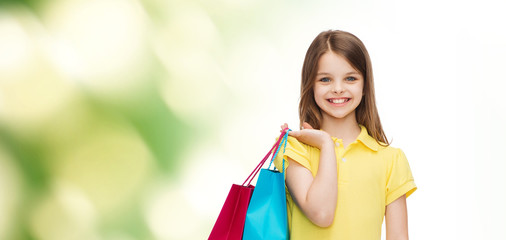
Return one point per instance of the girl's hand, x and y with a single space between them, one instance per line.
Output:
310 136
315 195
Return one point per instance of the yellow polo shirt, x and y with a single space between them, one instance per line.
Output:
370 177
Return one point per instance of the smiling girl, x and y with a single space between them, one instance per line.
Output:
342 175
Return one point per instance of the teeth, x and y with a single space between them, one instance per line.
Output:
338 100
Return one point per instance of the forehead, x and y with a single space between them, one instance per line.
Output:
333 63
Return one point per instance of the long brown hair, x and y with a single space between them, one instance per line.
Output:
351 48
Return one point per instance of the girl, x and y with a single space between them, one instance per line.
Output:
343 178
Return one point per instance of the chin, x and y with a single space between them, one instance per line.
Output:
339 116
342 115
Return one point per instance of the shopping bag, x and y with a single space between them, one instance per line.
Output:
266 217
230 222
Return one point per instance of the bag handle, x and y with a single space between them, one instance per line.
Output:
283 142
259 166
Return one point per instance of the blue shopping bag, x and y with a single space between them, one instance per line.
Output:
266 217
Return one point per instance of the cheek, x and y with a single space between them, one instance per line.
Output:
320 89
360 90
359 93
315 91
318 94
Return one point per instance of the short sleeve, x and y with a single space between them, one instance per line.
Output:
399 179
296 150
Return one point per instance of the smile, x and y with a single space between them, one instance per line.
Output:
340 100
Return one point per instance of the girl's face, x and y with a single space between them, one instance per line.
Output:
338 87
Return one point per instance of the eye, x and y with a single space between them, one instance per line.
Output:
351 79
325 79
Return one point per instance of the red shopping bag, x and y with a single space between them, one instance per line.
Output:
230 222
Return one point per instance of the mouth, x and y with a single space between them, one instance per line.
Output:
338 100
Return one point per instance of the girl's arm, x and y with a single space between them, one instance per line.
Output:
396 215
316 197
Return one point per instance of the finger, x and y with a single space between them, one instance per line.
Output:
306 125
294 134
283 127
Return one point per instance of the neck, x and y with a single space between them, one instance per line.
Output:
344 128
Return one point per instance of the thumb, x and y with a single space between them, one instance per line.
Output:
306 125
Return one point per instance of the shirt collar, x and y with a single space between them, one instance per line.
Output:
367 140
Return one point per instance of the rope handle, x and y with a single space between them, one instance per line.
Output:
259 166
283 142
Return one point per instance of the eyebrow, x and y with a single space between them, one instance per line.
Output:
326 73
322 73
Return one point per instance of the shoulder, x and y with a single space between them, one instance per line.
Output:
296 151
391 153
296 144
388 150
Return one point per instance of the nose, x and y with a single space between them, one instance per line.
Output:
338 87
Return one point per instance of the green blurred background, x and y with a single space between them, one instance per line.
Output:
111 113
130 119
